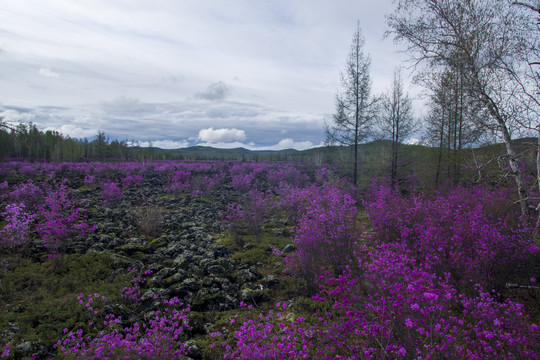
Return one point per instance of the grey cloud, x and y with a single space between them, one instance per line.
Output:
123 105
133 119
215 91
46 72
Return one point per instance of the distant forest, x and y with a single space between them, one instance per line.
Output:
26 141
433 166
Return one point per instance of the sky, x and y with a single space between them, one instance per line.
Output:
258 74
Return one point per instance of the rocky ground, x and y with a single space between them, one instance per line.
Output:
183 240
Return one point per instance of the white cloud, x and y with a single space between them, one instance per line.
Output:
221 135
289 143
48 73
413 142
281 145
15 116
75 131
226 145
163 144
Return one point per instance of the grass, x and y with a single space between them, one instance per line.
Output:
256 249
39 299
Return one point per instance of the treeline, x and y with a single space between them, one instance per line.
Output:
28 142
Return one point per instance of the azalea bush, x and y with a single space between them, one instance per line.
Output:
242 182
326 234
207 183
389 305
161 337
19 224
248 216
474 234
27 193
111 193
130 180
180 182
288 174
62 221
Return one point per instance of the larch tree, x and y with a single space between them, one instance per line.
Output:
355 107
396 120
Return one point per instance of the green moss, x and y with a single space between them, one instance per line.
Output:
156 244
87 187
41 298
251 256
259 252
130 249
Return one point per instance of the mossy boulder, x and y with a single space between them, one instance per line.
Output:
156 244
131 249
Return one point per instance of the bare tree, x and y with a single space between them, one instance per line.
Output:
482 36
355 107
396 121
454 120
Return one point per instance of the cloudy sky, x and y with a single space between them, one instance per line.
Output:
261 74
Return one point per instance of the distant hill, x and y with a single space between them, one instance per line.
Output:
210 153
417 163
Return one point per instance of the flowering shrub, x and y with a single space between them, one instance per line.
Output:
130 180
249 216
388 305
5 352
325 235
27 168
111 192
322 174
180 182
133 293
18 225
270 337
457 233
287 174
89 179
242 182
27 193
4 186
159 338
61 221
203 184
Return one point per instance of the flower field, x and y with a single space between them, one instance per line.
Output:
259 260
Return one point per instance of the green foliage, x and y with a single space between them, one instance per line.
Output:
39 299
256 249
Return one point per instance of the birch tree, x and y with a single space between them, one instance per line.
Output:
485 38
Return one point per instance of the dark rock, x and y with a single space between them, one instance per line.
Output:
215 270
270 281
254 295
155 294
220 251
289 248
23 350
278 231
247 275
